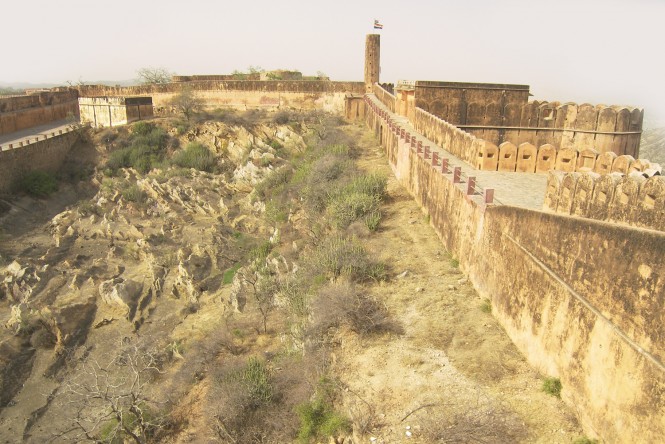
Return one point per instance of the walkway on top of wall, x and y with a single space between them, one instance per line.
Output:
525 190
32 133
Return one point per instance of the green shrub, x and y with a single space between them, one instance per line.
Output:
260 252
338 255
274 182
552 386
195 156
347 208
486 306
145 149
276 213
370 184
372 220
227 277
255 376
134 194
142 128
318 420
585 440
38 184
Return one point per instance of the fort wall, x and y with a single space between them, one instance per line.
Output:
46 154
524 157
21 112
502 113
241 94
630 199
584 300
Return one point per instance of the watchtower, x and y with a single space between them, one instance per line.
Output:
372 60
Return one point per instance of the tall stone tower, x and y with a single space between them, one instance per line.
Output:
372 60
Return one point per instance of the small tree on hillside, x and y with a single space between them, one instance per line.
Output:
187 103
154 76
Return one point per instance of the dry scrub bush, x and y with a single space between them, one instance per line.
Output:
479 420
109 401
338 255
342 304
254 401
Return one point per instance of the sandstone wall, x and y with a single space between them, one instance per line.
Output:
43 155
602 128
502 113
631 199
583 300
242 94
21 112
102 112
525 157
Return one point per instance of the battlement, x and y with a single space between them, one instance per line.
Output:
22 112
631 199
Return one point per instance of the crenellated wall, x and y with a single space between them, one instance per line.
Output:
45 154
630 199
584 300
241 94
384 97
569 125
501 113
525 157
21 112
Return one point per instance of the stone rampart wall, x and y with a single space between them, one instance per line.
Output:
508 157
21 112
579 127
384 97
583 300
242 94
292 86
505 115
631 199
46 154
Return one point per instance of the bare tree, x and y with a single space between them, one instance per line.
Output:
110 401
187 103
154 76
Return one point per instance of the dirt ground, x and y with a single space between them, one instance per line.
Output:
454 374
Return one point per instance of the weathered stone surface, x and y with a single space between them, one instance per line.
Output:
526 158
546 159
507 157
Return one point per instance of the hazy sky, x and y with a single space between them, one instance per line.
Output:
596 51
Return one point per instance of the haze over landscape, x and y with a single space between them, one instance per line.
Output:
591 51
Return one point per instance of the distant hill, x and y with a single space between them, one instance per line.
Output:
652 146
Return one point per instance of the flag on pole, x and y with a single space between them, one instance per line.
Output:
377 25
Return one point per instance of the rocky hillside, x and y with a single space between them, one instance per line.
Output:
248 279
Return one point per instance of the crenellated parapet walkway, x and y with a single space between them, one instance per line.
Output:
483 187
582 299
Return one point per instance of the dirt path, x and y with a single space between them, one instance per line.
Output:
453 375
